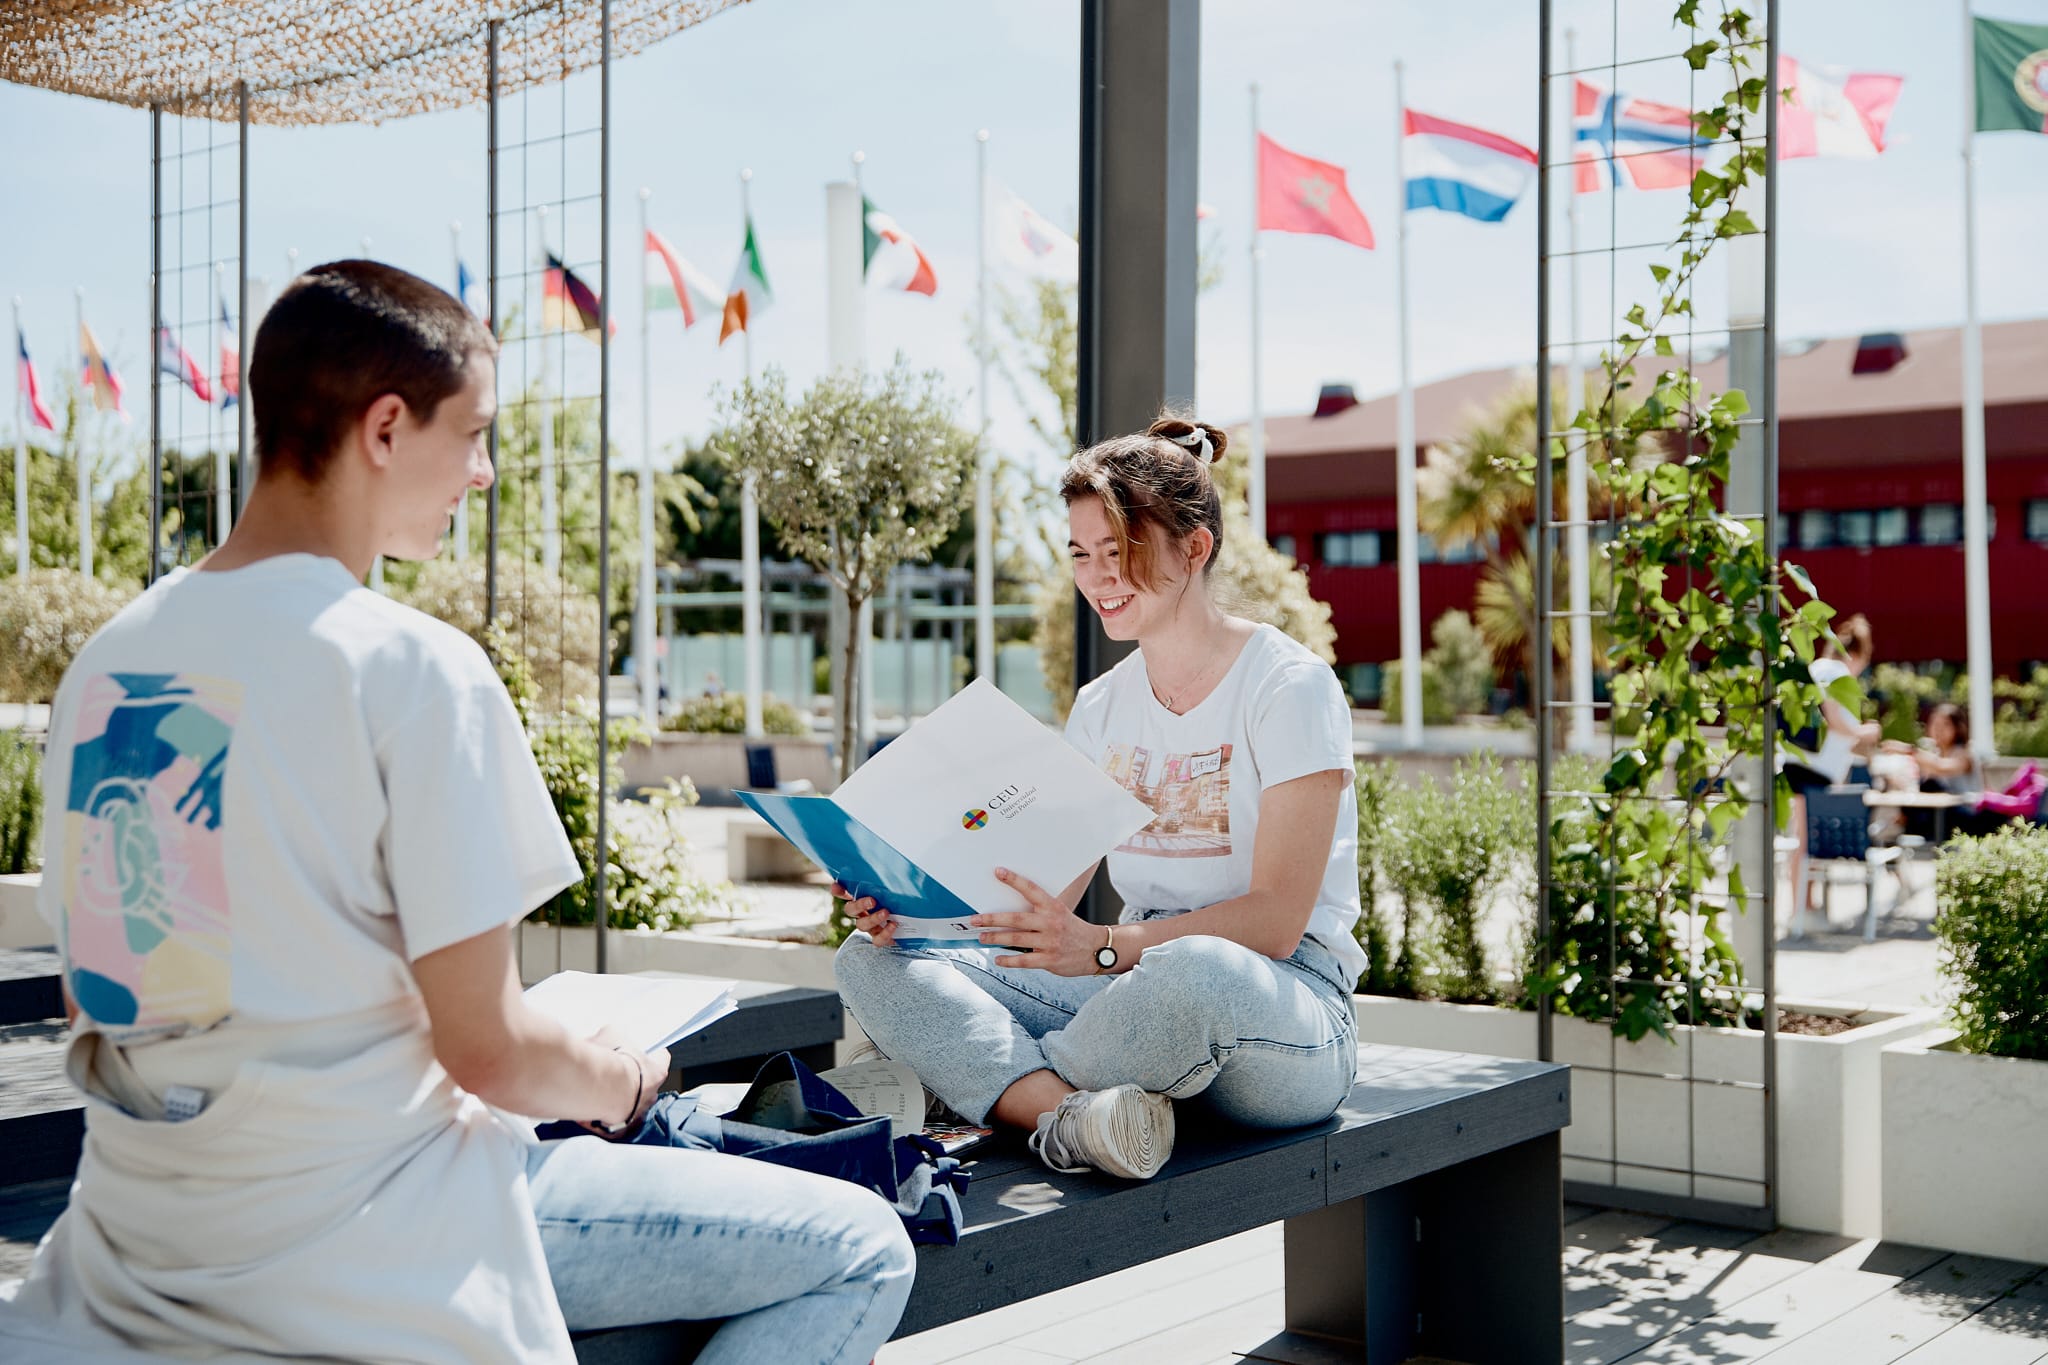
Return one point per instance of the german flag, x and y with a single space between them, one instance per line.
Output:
568 304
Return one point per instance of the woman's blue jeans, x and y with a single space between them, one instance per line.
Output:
802 1267
1263 1042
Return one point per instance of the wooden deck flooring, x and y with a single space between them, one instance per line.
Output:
1638 1289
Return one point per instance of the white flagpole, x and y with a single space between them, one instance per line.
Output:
1976 558
81 463
1409 572
223 492
750 525
1257 481
864 714
984 464
645 666
1578 544
20 450
550 514
459 533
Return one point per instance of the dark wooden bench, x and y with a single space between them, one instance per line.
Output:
1423 1219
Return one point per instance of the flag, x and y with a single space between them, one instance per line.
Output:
2012 76
25 377
1462 169
174 360
1300 194
1027 239
464 283
688 288
908 268
1831 112
99 375
567 304
748 296
1617 139
230 359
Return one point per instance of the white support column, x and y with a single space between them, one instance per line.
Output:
544 411
1257 479
21 556
750 536
984 462
645 668
223 480
458 534
1976 531
1578 540
81 461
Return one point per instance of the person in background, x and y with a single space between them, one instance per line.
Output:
1823 754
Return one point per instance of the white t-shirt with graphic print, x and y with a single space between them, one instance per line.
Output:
1278 714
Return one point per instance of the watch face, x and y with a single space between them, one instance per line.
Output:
1105 957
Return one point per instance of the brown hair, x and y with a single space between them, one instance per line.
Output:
1153 484
340 337
1956 718
1853 637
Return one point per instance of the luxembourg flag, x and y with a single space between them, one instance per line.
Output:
1461 169
1620 140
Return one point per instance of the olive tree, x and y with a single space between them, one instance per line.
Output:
859 475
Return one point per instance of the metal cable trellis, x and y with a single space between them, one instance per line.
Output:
1690 1128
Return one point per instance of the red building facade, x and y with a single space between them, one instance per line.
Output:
1869 492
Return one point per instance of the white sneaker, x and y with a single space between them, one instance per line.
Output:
1124 1132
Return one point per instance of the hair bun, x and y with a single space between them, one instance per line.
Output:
1199 439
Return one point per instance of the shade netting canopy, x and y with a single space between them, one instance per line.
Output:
315 61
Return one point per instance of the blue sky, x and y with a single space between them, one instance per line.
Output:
790 88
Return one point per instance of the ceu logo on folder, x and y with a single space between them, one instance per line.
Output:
981 766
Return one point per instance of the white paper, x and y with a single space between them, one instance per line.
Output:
882 1086
653 1011
980 784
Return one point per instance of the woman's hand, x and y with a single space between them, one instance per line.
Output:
1052 938
868 917
648 1070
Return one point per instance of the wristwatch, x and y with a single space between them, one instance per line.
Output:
1105 956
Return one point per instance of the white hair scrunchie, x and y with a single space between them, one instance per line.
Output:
1198 444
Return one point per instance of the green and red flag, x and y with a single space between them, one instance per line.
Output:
905 266
2012 76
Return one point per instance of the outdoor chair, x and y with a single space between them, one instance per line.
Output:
762 776
1838 832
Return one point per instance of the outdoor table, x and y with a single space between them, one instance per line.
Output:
1941 803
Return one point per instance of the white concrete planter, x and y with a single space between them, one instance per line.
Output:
720 761
1963 1140
544 949
20 925
1634 1122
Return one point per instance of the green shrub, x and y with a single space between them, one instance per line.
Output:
1376 784
726 714
21 803
550 625
1462 656
45 620
1991 919
1445 854
1907 697
1436 699
648 879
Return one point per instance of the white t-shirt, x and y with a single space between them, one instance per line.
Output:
268 790
1837 752
1278 714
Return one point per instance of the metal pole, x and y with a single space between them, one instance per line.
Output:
1767 834
1258 463
223 482
643 598
1545 1043
1976 556
1408 572
20 450
245 449
459 533
750 528
604 462
81 463
491 305
984 464
550 508
1578 540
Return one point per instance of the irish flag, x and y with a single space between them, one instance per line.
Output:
1832 112
905 266
685 286
1462 169
748 296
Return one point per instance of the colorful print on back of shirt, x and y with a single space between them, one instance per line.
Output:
1189 795
146 934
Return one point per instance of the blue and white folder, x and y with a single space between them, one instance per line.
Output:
976 785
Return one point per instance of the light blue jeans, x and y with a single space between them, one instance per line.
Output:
1263 1042
802 1267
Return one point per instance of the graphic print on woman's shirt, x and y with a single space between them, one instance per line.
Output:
1189 795
146 904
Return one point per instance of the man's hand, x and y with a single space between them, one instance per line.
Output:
1050 936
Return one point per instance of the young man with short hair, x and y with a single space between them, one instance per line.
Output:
292 826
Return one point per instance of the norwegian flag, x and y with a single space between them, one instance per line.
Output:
1618 140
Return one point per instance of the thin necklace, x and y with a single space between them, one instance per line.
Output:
1169 698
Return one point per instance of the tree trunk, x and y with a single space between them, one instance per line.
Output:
849 686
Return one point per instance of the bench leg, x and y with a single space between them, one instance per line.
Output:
1463 1265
